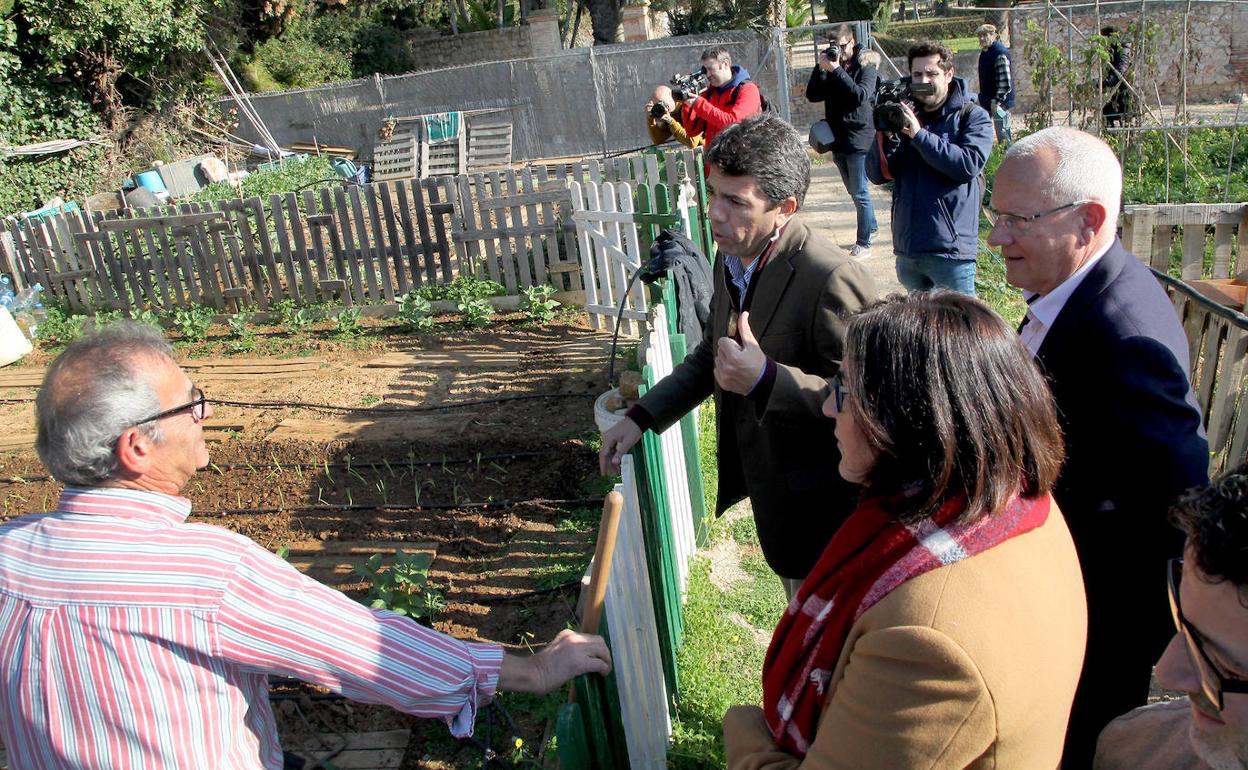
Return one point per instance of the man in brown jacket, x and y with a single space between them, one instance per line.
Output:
777 327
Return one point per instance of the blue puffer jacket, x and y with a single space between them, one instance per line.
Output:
936 188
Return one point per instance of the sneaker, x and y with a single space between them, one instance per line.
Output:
859 252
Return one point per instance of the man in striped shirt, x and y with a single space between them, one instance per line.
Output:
131 639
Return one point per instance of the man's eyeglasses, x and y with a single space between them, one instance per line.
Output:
1212 682
1019 222
838 391
197 406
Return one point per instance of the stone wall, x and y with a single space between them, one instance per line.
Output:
539 37
1217 32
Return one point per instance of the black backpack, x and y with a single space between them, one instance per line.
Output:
765 105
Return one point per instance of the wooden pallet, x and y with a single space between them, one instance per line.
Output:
332 561
363 751
372 429
589 351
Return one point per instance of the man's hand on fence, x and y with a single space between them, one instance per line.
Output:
616 442
738 365
568 655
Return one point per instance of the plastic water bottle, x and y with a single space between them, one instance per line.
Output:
6 291
27 298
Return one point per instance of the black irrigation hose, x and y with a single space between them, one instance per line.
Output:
394 409
328 507
523 595
397 464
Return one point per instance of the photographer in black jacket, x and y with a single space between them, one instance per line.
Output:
845 84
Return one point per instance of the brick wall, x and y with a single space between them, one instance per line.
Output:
540 37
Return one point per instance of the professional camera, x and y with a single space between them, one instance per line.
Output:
833 52
890 95
687 86
658 110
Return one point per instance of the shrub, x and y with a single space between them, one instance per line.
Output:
193 322
537 304
295 61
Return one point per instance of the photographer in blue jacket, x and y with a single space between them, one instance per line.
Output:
933 144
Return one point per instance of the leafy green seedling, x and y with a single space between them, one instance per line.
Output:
403 586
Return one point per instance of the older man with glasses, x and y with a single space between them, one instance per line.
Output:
1103 332
1208 656
130 638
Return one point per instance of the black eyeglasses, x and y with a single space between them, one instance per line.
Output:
838 390
1019 222
1212 682
198 407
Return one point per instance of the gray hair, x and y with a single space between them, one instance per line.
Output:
1085 167
93 392
770 150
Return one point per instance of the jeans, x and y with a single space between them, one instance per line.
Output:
924 273
853 168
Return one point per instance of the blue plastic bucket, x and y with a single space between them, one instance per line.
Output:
151 180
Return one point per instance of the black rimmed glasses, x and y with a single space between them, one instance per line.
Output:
1212 682
197 406
1019 222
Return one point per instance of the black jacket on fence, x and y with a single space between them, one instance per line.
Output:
847 93
674 255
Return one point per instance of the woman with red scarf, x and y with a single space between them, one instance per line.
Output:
944 625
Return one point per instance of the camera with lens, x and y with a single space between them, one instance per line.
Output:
688 86
890 95
658 110
833 52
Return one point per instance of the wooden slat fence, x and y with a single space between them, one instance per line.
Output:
346 245
1203 241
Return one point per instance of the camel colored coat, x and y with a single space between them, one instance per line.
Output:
973 665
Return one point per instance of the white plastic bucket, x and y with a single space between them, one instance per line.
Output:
606 418
13 344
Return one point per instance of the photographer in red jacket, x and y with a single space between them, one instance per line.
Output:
731 97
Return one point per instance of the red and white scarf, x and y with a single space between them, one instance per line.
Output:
870 555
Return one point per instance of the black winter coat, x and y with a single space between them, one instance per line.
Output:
847 94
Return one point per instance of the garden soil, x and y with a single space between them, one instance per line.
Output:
505 494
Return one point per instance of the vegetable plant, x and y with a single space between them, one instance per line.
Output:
242 336
294 318
537 304
476 312
59 328
416 312
193 322
145 316
347 325
403 586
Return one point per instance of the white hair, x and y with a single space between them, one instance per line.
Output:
1085 167
92 393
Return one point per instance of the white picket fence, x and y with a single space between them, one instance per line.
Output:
635 638
610 252
629 606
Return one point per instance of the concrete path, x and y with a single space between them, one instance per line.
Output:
829 212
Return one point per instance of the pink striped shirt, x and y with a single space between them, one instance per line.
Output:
131 639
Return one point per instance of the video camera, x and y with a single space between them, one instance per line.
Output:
833 52
890 95
687 86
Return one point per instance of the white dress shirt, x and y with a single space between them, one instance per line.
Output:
1043 309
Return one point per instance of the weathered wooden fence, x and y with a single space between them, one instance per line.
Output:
346 245
1214 242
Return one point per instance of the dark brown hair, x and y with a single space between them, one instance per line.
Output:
1215 520
950 397
930 48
